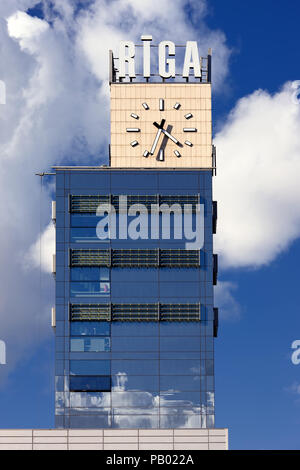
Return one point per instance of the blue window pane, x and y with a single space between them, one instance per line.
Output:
90 274
131 367
90 344
85 235
91 399
133 382
90 328
176 343
84 220
134 344
90 367
134 329
180 367
97 384
90 289
175 382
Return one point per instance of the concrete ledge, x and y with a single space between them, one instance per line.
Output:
113 439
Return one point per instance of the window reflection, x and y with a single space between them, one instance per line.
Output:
89 344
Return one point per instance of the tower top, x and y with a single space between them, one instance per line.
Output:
135 62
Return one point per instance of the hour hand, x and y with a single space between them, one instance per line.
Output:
161 125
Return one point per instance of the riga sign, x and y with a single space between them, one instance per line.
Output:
166 59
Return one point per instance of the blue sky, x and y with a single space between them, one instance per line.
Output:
256 382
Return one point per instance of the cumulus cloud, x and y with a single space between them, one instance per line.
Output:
22 26
57 112
229 308
257 186
40 253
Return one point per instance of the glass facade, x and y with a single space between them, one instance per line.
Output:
135 322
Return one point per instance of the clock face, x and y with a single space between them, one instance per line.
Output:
161 125
165 139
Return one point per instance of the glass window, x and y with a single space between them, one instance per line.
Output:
131 367
131 382
89 289
84 220
177 343
90 274
134 344
89 422
97 384
183 383
134 329
90 344
180 367
90 367
85 235
85 328
91 399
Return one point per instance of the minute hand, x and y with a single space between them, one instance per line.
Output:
155 141
170 136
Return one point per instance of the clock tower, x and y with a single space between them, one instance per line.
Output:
135 319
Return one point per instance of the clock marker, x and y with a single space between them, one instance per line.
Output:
178 154
134 116
161 104
145 106
132 129
189 129
187 142
177 106
161 156
188 116
134 143
145 154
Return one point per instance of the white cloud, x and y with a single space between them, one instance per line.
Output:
257 186
229 308
22 26
57 111
40 253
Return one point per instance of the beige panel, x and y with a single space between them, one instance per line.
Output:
190 439
159 439
85 439
15 432
194 98
190 446
120 446
116 439
156 446
86 432
50 440
50 433
120 432
50 447
191 432
15 447
15 440
155 432
217 446
85 447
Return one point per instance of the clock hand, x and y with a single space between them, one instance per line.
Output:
166 133
170 137
155 142
160 127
